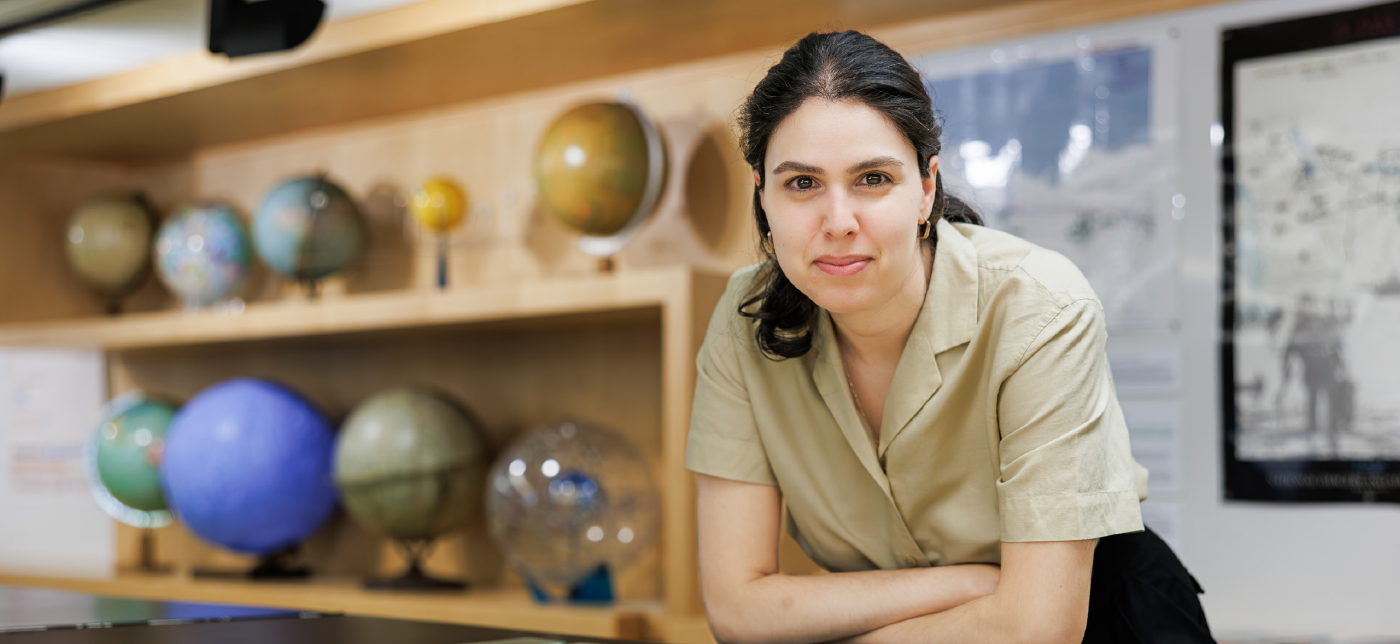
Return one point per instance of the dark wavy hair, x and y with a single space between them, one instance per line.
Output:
846 65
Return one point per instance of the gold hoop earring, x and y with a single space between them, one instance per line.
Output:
925 228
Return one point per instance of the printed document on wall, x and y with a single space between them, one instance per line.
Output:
49 402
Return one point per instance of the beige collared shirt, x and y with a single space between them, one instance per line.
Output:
1001 424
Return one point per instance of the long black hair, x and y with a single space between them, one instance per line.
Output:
846 65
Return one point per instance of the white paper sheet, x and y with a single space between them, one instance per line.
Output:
50 401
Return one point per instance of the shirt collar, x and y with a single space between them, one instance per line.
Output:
947 319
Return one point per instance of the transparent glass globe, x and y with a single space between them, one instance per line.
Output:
564 499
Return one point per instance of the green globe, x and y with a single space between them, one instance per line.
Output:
600 167
109 243
410 465
129 445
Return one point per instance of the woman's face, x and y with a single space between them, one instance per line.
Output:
844 199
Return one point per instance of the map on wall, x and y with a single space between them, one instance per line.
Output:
1064 145
1313 211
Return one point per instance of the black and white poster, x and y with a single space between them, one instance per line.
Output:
1311 281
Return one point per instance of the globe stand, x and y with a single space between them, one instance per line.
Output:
442 261
605 264
311 289
596 588
148 563
277 565
415 551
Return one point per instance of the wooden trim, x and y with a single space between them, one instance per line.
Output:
1000 23
684 325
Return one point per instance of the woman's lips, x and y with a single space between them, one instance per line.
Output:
845 266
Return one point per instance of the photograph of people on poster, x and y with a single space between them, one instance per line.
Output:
1312 265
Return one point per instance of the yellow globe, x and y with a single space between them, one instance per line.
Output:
439 205
599 167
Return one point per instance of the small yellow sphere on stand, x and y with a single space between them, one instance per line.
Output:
439 206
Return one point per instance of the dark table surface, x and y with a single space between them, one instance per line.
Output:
40 608
42 616
329 629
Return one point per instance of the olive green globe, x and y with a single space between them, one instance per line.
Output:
599 167
410 465
109 243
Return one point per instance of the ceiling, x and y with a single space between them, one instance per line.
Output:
115 39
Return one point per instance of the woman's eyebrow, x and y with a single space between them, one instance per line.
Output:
868 164
795 166
871 164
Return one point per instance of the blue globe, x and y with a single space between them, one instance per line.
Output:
308 228
247 466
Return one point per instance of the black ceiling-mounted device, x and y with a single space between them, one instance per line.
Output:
243 28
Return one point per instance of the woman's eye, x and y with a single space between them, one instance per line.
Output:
873 179
803 183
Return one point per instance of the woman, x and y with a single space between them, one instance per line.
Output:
929 399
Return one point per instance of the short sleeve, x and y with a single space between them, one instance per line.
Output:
724 439
1067 472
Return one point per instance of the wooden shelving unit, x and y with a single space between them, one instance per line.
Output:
530 329
191 349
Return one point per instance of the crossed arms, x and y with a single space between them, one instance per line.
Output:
1040 594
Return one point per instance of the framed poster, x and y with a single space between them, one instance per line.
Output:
1310 356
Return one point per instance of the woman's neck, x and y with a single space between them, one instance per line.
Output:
878 334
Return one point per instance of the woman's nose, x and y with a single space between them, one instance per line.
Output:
839 220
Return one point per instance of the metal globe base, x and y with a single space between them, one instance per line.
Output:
278 565
596 588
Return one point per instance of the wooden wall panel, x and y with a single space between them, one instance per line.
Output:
703 219
36 200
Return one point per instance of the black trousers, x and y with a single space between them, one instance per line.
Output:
1141 594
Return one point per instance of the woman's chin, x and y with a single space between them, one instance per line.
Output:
840 300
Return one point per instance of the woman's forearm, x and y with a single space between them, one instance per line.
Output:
980 620
1043 597
816 608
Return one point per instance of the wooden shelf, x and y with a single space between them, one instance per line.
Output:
296 317
493 608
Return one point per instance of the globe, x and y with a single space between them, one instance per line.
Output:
410 464
109 243
601 168
124 459
567 498
308 228
203 253
439 206
248 466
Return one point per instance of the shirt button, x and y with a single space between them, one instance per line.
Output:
910 561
